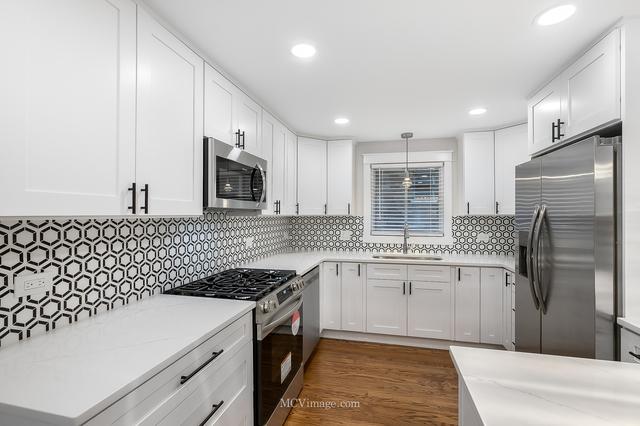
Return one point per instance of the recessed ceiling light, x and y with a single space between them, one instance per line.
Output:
341 120
477 111
555 15
303 50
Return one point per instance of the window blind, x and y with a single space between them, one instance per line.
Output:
424 211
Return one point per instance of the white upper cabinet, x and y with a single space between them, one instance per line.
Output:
268 133
312 176
586 95
478 170
67 109
339 177
274 140
230 115
219 95
249 115
170 122
544 111
510 150
593 87
289 203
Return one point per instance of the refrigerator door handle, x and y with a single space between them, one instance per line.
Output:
530 266
536 258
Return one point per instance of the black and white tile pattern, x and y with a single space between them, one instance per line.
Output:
101 264
323 233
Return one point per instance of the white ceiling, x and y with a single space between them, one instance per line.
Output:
390 65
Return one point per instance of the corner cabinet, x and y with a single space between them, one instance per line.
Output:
585 96
169 124
68 107
510 150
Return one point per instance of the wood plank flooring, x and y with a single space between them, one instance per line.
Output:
394 385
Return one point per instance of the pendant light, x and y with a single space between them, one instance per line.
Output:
406 182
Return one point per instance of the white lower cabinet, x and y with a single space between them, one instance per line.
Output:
629 346
387 307
467 305
491 305
429 309
167 398
352 296
331 296
507 310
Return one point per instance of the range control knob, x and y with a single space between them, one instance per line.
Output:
272 305
264 307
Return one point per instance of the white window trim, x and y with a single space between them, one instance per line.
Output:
445 157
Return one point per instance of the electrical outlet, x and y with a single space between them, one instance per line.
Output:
482 237
25 285
345 235
248 242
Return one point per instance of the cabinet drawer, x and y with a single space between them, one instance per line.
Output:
430 273
225 388
629 342
166 384
386 271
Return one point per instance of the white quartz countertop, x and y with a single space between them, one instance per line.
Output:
516 388
70 374
303 262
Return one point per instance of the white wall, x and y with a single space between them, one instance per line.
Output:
415 145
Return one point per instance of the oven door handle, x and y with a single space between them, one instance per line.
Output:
276 323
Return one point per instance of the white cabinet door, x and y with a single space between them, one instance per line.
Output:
491 280
478 173
312 176
353 296
507 309
170 121
467 304
268 133
339 177
593 87
331 296
387 307
544 110
429 310
67 107
219 95
290 200
249 116
511 150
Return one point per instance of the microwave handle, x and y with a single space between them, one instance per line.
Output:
264 183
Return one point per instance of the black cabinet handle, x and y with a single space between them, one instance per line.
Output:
297 208
556 130
410 288
325 209
134 198
358 269
404 291
279 210
145 208
336 269
506 280
467 207
458 274
348 208
636 356
185 379
215 407
497 207
239 136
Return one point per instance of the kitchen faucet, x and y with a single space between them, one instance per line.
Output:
405 237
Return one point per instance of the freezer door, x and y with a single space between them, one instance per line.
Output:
566 251
527 316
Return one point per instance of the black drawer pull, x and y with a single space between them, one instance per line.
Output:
636 356
215 407
185 379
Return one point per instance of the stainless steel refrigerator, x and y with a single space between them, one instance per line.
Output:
567 221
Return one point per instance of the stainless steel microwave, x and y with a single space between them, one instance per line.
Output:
233 178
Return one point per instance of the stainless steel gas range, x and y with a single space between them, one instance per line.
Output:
278 331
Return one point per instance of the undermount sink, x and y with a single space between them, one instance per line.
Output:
407 256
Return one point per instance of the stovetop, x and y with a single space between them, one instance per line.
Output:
239 284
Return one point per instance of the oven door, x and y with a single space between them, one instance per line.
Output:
278 363
233 178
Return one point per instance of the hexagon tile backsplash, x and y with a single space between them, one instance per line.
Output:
103 263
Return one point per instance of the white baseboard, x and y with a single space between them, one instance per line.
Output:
401 340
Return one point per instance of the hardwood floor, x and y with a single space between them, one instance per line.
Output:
394 385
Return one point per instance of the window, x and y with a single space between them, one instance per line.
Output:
429 201
422 206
